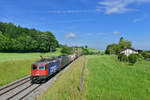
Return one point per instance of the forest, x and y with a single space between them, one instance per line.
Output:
19 39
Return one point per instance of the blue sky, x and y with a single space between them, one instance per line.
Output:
95 23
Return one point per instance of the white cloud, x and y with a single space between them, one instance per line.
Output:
5 19
70 35
140 18
71 11
89 34
137 20
118 6
116 32
109 33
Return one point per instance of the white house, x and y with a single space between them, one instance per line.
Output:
129 51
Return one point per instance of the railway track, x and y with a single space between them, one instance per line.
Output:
22 88
10 87
18 90
14 83
8 91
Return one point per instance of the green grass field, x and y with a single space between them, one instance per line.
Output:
109 79
95 50
25 56
105 79
13 70
14 66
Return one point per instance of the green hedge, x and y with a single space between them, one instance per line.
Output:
132 58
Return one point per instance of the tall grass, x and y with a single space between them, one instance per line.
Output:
13 70
67 85
109 79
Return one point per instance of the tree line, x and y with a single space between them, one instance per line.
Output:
19 39
132 58
116 48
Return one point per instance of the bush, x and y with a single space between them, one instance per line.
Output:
122 57
85 51
145 54
66 50
139 57
133 58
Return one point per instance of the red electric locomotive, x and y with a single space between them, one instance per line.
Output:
41 70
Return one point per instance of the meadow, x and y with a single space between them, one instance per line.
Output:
27 56
105 79
109 79
95 50
14 66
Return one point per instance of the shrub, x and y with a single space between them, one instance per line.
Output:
139 57
133 58
145 54
85 51
66 50
123 58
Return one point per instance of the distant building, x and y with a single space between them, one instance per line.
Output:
128 51
140 51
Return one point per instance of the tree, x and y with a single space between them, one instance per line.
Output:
124 43
2 41
85 51
121 39
112 49
116 48
145 54
86 46
66 50
18 39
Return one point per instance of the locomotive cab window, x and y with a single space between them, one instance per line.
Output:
34 67
42 67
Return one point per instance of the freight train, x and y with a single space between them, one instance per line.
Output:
44 68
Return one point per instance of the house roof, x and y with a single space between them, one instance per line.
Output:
129 48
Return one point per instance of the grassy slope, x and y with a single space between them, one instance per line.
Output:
67 85
94 50
109 79
13 70
17 65
25 56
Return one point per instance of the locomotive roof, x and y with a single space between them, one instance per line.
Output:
45 61
48 60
